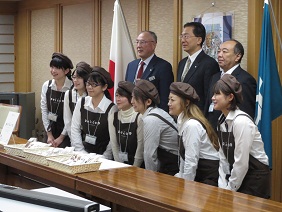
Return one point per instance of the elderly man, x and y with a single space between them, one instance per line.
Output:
230 55
150 67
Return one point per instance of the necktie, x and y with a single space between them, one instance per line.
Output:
222 73
186 69
140 71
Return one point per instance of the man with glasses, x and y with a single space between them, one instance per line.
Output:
197 68
150 67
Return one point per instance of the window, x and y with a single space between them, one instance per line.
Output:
6 53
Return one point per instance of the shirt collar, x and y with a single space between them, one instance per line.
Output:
231 69
67 84
102 106
147 61
232 114
193 56
180 118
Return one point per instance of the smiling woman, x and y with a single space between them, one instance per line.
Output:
52 97
79 78
199 159
89 127
126 128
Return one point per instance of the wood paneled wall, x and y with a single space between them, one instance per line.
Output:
254 33
23 9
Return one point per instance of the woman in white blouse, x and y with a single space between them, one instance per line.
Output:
52 97
126 128
79 78
243 161
199 159
89 128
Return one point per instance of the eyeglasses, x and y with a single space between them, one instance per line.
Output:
92 84
186 36
143 42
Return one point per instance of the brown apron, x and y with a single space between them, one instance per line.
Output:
257 180
207 170
98 123
55 104
168 162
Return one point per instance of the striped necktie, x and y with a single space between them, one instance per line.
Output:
186 69
140 71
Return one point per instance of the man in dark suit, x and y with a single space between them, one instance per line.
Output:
198 68
156 70
230 54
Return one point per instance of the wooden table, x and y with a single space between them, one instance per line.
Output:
135 188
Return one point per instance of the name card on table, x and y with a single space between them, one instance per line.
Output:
8 127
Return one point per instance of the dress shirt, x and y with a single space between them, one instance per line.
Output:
247 141
147 61
127 116
229 71
157 133
67 112
194 56
197 146
44 110
76 140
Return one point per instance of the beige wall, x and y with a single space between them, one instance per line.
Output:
161 22
42 47
77 21
78 32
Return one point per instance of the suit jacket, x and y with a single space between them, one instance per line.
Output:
199 75
249 86
159 72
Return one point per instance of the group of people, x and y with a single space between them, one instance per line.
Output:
199 128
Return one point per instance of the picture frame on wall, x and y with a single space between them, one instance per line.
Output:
218 30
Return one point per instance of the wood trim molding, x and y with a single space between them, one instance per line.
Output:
58 28
8 8
254 33
177 28
277 123
96 44
143 15
35 4
23 51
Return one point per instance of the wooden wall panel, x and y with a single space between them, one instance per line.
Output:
22 52
255 14
276 125
8 8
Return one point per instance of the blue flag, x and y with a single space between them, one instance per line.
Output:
269 93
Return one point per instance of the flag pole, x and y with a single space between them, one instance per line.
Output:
276 27
127 30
